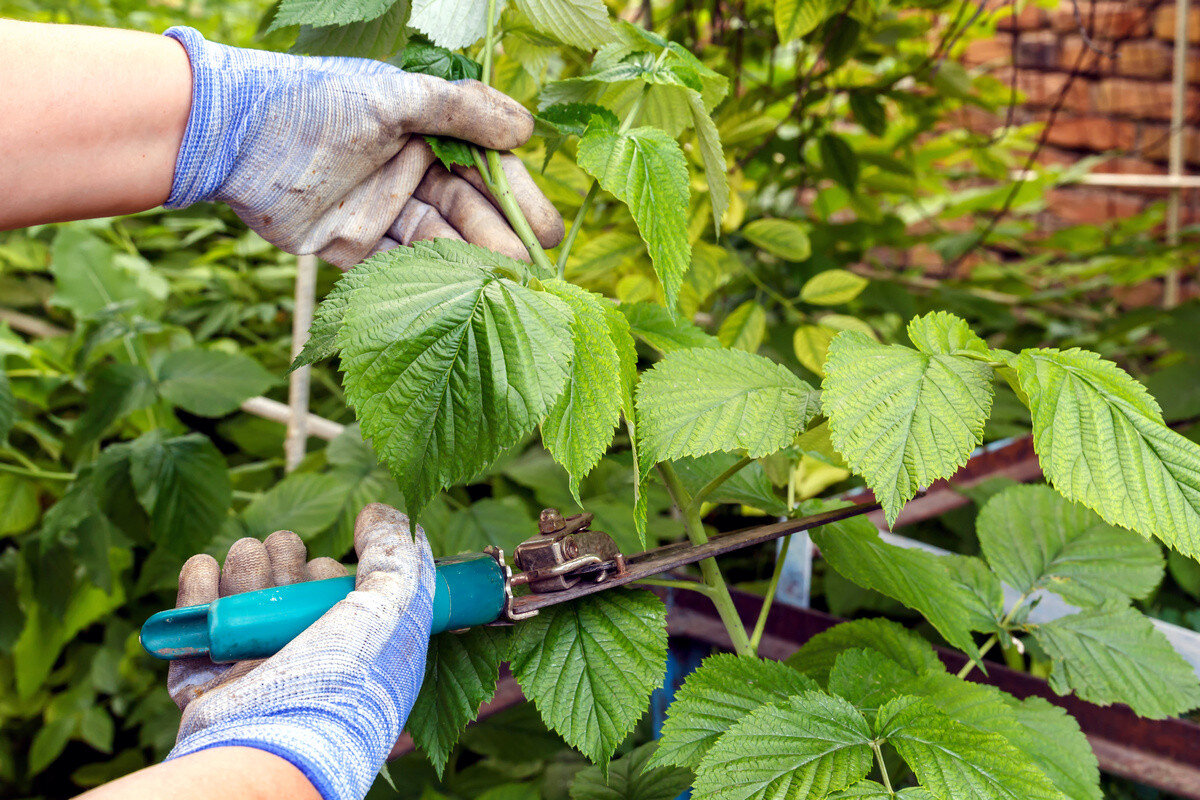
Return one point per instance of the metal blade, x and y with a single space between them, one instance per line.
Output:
673 556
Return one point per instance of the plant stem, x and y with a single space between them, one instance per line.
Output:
565 251
494 177
990 642
761 623
37 473
716 482
708 567
690 586
887 781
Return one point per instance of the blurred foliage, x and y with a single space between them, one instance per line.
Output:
163 322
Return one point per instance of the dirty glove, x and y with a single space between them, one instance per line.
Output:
334 700
326 156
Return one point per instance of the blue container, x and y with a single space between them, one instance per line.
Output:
469 591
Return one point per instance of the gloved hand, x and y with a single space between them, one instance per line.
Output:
326 156
334 700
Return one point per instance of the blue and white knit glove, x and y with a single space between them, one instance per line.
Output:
334 700
326 156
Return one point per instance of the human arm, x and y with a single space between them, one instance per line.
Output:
318 155
333 702
86 133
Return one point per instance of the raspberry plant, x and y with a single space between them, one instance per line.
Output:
452 356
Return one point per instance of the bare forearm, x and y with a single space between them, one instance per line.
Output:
92 121
243 773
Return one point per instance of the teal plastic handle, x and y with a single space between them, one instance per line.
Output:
469 591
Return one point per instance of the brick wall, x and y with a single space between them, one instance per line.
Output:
1118 103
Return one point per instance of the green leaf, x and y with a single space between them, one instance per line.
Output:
918 579
941 333
808 746
19 507
951 759
582 23
723 690
590 665
12 618
655 326
451 151
631 777
211 383
645 169
795 18
49 742
447 364
708 139
838 159
832 287
580 427
437 61
748 486
91 276
744 328
817 656
866 677
1051 738
303 502
1036 539
503 522
326 12
699 401
1113 654
780 237
461 671
864 790
374 38
1101 441
901 417
811 345
115 390
868 111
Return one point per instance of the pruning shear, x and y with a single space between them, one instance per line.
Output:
564 560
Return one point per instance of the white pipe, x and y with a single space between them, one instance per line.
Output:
295 445
276 411
1175 182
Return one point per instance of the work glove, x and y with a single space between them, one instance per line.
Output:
334 700
327 155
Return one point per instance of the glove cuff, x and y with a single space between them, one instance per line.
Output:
226 83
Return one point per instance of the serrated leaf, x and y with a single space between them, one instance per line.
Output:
326 12
863 790
1052 739
744 328
748 486
631 777
115 390
1113 654
700 401
780 237
211 383
1036 539
451 151
918 579
327 319
832 287
461 670
1101 441
373 38
503 522
795 18
447 364
808 746
951 759
903 418
866 677
580 426
711 153
590 665
645 169
453 24
437 61
723 690
655 326
816 657
583 23
943 333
